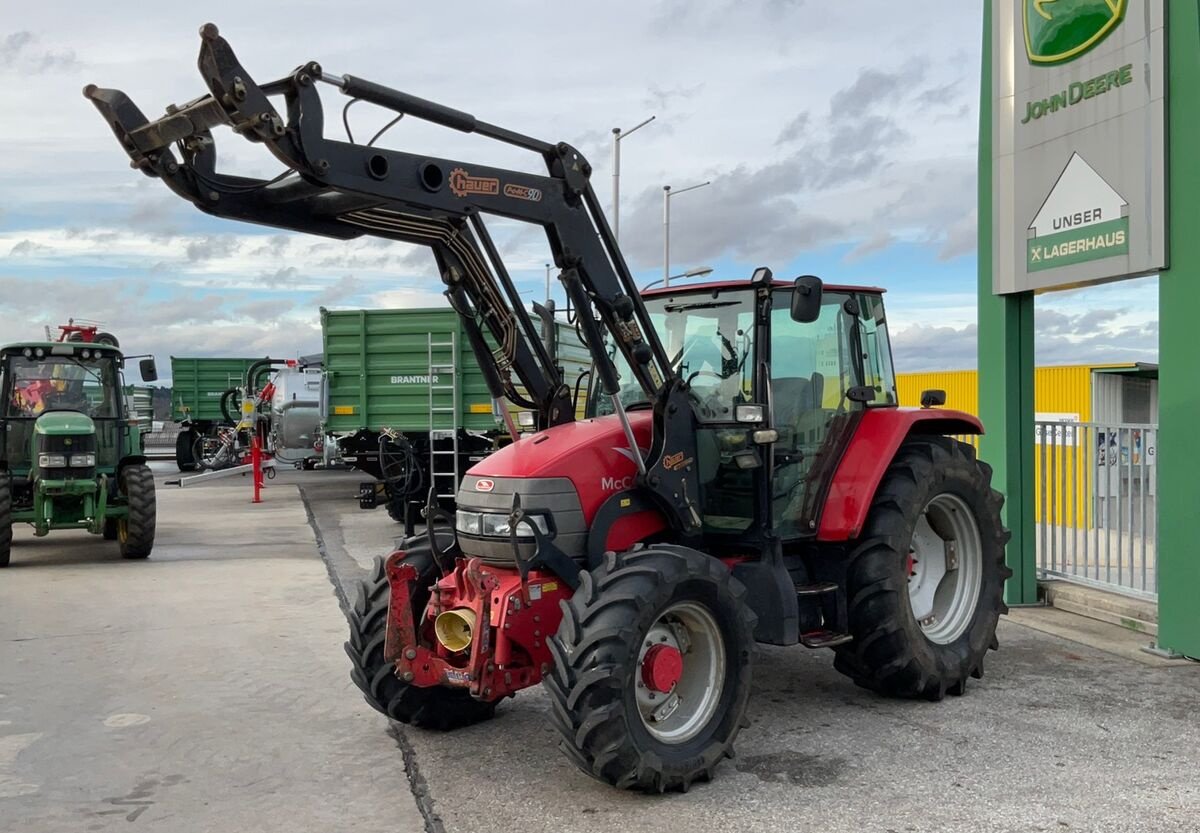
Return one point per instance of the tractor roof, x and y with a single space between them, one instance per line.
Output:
745 284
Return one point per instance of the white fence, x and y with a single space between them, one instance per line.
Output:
1096 504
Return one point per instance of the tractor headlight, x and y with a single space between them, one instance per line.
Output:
83 461
493 525
52 461
467 522
497 525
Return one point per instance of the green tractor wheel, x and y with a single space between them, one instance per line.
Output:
135 531
5 519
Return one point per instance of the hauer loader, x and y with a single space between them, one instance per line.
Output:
747 475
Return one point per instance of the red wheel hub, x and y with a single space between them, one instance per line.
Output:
662 666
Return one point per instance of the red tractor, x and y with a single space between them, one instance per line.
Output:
746 475
85 331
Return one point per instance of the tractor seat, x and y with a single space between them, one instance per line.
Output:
794 397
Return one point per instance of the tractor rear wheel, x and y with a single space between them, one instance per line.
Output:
427 708
6 535
652 668
135 531
925 584
185 457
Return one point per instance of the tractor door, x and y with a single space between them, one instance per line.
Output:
823 375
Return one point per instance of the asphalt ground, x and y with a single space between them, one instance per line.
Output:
206 689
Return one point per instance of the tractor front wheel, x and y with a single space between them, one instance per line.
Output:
926 579
135 531
6 535
652 668
428 708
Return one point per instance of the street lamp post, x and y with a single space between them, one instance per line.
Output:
667 194
547 281
616 202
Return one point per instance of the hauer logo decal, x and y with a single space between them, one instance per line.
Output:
1058 31
484 485
523 192
675 462
462 184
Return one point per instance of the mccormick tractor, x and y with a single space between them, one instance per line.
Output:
747 476
72 451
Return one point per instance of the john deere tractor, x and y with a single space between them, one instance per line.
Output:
72 454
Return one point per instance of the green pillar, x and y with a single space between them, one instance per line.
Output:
1179 373
1005 371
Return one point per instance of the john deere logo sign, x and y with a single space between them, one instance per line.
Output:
1057 31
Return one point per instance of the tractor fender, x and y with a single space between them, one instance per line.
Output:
870 452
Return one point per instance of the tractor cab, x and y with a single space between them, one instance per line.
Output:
71 451
777 389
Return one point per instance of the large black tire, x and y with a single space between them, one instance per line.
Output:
594 686
185 457
427 708
890 653
6 535
135 531
110 529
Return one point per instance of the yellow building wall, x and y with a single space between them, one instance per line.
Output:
1063 389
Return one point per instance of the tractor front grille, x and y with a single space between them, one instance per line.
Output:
67 446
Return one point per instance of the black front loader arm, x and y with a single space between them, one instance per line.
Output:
344 190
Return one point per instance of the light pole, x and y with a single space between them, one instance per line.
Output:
667 194
690 273
547 281
616 204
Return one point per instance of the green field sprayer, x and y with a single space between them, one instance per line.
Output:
72 450
406 402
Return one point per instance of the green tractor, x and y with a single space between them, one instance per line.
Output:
72 454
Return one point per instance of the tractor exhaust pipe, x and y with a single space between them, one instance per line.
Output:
455 628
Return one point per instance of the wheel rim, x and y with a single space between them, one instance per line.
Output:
122 530
945 569
683 647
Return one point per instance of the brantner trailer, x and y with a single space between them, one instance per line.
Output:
407 403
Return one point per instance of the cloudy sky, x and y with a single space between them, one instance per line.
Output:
840 140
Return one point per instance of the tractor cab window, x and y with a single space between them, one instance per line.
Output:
61 383
709 338
812 368
876 350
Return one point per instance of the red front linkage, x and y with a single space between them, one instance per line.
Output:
512 622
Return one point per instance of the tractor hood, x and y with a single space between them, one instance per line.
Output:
64 423
593 454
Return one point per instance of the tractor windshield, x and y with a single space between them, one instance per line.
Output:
61 383
709 339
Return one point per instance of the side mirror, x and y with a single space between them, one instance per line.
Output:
806 299
933 398
149 370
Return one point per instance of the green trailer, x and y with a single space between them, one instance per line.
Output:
406 402
197 388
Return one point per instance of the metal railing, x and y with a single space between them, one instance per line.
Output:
1095 504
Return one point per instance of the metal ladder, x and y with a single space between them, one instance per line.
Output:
442 470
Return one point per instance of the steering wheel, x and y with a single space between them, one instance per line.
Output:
711 402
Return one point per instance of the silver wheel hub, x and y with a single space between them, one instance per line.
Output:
680 672
945 569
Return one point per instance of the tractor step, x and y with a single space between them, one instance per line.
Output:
824 639
819 589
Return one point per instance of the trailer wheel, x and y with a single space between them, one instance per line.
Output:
110 529
107 338
427 708
185 457
926 579
135 531
6 535
652 669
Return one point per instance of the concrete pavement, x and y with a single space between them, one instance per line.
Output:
1056 737
202 690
